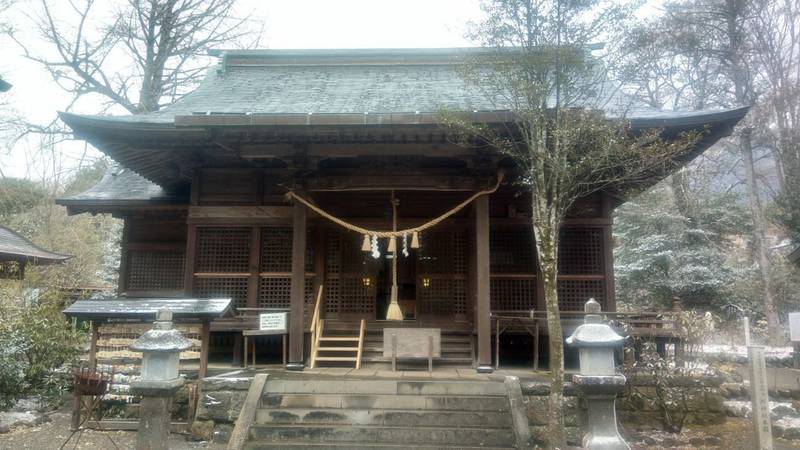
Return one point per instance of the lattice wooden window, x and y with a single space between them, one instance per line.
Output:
512 250
275 292
276 250
573 294
332 295
345 267
580 251
223 250
231 287
442 296
441 267
443 252
155 270
513 294
355 297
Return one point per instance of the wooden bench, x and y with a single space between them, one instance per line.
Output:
412 343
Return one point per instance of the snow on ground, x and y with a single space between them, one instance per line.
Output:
741 350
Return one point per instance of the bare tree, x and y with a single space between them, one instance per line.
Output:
776 32
721 40
149 54
540 68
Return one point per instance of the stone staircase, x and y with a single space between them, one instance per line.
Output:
337 413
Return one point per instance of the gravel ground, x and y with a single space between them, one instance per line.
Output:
735 434
51 436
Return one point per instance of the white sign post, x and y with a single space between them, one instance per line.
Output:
759 396
272 322
794 334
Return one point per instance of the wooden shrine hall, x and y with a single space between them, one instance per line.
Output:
259 187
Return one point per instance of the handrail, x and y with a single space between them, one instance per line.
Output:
315 316
360 343
316 326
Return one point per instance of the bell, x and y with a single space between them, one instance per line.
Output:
415 240
392 245
366 246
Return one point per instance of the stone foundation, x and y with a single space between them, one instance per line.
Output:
220 401
704 405
702 400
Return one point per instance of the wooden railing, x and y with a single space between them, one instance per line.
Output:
644 324
317 325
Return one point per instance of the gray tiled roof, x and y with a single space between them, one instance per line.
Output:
15 247
146 308
120 185
326 82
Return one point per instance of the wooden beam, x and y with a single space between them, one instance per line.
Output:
298 287
399 182
197 213
336 150
482 280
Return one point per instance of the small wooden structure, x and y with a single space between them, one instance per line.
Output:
16 252
278 329
126 319
204 185
412 343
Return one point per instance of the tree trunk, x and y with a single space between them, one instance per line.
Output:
545 228
759 235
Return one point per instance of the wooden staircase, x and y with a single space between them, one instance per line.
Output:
336 347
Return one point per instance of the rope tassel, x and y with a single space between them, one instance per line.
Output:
415 240
366 246
392 245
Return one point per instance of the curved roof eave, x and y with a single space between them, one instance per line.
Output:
81 124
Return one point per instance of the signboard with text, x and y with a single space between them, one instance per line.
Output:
275 322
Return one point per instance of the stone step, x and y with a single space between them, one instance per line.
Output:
382 434
384 401
384 417
373 386
336 358
437 362
339 338
258 445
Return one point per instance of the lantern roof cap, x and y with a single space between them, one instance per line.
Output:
594 333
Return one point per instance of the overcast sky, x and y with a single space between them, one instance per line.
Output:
288 24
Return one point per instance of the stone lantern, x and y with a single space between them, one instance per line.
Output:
161 348
599 381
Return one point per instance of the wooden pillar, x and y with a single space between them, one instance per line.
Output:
298 289
122 285
608 254
191 240
205 336
254 267
93 346
482 279
191 248
608 270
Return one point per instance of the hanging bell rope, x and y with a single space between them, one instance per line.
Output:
393 312
414 231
